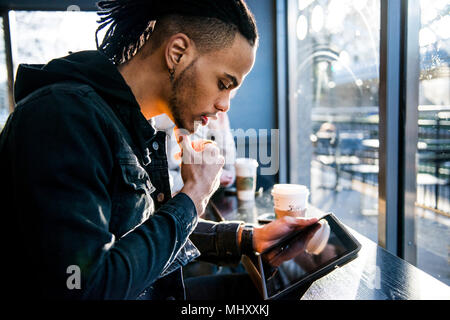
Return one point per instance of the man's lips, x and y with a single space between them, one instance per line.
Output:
205 118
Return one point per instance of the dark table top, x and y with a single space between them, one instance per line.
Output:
375 274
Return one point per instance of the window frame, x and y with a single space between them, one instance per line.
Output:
8 58
47 5
398 129
282 35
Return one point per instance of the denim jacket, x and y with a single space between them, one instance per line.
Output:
85 183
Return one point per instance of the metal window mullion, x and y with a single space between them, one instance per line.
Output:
389 91
399 76
281 47
8 59
410 93
292 119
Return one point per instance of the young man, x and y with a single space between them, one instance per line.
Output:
85 181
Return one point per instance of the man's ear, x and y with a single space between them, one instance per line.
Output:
179 50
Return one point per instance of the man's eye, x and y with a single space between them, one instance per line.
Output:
222 86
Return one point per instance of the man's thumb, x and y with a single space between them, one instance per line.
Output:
185 144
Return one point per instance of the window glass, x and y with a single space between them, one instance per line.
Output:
39 36
433 150
333 81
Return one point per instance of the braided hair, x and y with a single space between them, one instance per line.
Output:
211 24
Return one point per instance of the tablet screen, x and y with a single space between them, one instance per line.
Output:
305 253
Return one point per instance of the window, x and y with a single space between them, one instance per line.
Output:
433 150
39 36
333 106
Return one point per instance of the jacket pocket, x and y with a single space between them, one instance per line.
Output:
133 202
135 176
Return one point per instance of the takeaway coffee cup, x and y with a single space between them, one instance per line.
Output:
246 178
290 199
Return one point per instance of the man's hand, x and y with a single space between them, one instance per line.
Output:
281 254
269 234
200 172
226 179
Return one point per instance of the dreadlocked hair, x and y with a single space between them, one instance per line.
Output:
211 24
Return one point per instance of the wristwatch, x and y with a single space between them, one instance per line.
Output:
247 240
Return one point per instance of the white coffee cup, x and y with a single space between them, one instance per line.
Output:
246 178
290 199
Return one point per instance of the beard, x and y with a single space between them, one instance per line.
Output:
183 89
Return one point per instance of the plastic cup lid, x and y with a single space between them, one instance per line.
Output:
289 189
246 162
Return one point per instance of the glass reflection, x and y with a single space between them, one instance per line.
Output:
433 150
334 107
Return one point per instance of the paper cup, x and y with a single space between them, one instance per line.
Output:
290 199
246 178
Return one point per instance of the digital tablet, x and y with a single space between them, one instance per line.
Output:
301 257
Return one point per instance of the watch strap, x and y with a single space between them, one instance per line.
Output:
247 240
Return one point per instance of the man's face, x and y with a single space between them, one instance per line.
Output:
204 87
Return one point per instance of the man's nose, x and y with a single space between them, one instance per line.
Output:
223 104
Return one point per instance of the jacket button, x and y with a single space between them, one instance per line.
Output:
155 145
160 197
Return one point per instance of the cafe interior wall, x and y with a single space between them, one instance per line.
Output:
254 109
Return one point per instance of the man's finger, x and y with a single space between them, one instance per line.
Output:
200 145
211 155
211 148
299 221
185 144
177 156
312 233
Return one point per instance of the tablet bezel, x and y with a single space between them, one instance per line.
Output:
343 235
